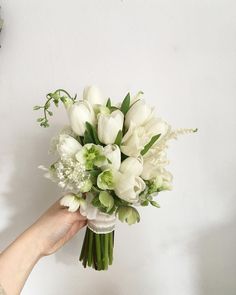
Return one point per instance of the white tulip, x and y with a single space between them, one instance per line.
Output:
137 137
109 125
152 165
128 187
67 145
132 166
73 202
113 154
156 126
93 95
134 141
79 113
139 113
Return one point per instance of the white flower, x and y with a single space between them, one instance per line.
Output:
80 113
134 141
128 187
73 202
67 146
91 155
66 130
156 126
152 164
137 137
113 154
132 166
136 97
139 113
161 181
107 179
109 125
93 95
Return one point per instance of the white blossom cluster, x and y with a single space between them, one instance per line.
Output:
71 174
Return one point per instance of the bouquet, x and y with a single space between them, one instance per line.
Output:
110 160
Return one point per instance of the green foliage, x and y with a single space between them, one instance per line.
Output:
108 104
119 138
150 144
155 204
125 104
90 135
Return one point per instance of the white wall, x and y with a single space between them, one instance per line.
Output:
182 54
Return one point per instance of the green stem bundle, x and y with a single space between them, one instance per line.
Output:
97 250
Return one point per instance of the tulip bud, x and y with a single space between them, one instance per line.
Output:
128 187
67 145
112 153
80 113
139 113
109 125
93 95
132 166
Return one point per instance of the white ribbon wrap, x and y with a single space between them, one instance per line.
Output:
98 222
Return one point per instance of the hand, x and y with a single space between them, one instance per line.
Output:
55 227
49 233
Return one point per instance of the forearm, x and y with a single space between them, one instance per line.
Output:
17 261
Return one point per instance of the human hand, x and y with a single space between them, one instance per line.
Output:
55 227
49 233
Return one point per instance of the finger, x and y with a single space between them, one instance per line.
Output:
77 225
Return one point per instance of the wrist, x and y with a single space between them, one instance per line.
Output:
17 261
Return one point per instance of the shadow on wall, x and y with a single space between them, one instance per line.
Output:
28 193
217 260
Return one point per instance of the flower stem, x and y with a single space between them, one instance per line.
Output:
90 247
110 248
97 250
106 256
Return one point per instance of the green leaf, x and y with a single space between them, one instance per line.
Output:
106 200
150 144
96 202
125 104
87 137
40 119
155 204
92 133
108 104
118 138
145 203
50 113
35 108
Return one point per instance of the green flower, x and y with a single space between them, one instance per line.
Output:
128 214
106 200
106 180
91 155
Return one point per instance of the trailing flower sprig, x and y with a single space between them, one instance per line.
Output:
55 98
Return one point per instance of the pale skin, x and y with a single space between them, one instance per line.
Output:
48 234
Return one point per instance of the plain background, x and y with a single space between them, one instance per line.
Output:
182 54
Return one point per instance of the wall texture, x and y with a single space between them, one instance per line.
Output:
182 54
